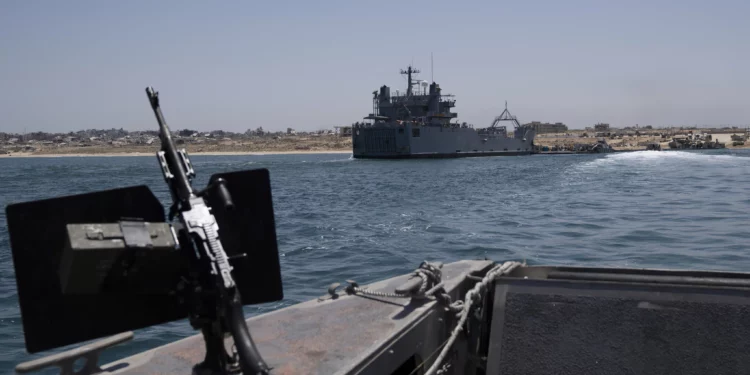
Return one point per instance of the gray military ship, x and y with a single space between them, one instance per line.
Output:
417 124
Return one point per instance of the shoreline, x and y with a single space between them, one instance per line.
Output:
207 153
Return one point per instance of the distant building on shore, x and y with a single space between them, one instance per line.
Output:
547 127
343 131
601 127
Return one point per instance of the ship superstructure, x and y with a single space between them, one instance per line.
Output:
419 124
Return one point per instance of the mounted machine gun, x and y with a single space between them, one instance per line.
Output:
107 262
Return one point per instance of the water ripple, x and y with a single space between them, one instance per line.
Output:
339 218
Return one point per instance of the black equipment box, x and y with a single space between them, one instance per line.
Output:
575 320
107 258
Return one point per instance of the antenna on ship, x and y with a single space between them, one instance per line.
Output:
409 72
432 69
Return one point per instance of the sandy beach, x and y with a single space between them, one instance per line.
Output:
626 143
217 153
270 145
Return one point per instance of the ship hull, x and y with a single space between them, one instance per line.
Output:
442 156
430 142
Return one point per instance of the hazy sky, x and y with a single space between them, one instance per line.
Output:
233 65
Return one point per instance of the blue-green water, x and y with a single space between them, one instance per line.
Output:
339 218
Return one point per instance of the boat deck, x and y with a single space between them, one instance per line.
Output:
349 334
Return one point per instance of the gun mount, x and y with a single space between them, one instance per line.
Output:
109 262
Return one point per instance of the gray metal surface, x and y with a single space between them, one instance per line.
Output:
629 322
345 335
112 236
417 125
65 361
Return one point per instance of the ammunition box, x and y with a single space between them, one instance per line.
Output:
125 257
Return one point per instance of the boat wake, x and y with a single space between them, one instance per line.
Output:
644 158
350 158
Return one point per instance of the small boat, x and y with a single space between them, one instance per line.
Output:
483 317
653 146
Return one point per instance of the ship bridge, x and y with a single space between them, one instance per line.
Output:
424 102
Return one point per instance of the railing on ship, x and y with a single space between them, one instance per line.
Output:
403 97
412 123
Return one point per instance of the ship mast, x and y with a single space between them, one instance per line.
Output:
409 72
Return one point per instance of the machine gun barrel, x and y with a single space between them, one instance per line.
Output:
179 182
200 225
